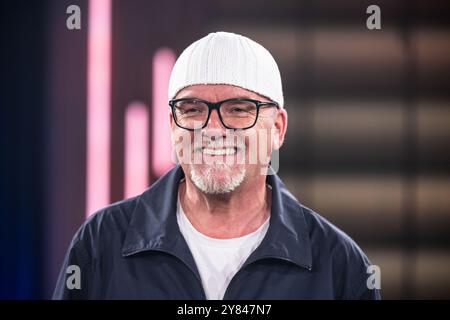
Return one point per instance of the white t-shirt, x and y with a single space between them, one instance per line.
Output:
218 260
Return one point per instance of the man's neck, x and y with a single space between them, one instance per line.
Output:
231 215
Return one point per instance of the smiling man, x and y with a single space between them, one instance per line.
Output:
221 224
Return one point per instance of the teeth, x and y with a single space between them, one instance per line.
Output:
219 152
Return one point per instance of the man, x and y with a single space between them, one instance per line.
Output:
221 224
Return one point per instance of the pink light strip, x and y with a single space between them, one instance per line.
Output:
136 149
163 62
98 105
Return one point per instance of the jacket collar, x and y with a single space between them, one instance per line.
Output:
153 225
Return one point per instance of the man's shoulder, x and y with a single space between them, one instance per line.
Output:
109 225
106 224
334 253
325 237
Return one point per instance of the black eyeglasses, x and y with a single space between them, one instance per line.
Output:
237 113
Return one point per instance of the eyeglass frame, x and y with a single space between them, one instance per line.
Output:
216 106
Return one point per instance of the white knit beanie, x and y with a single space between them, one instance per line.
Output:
228 58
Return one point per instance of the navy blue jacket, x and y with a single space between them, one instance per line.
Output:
134 250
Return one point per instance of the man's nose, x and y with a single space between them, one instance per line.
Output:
214 121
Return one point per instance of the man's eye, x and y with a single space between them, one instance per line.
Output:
242 109
192 110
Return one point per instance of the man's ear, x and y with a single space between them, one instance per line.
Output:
169 114
280 125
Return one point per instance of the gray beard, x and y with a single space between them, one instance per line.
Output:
207 184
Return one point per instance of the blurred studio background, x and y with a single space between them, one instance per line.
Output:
84 111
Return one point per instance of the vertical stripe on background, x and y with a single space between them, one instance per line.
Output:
136 149
163 62
98 105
